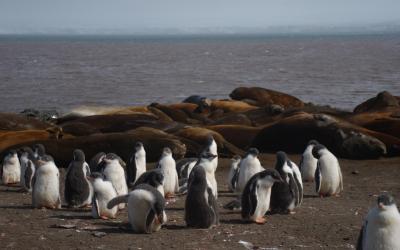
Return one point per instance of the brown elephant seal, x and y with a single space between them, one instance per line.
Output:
231 106
232 118
384 122
195 138
175 114
261 97
121 144
239 135
15 122
383 101
292 133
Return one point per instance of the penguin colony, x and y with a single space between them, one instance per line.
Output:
108 185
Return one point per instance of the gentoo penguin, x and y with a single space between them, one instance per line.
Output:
39 151
249 166
27 168
94 163
136 165
234 173
210 168
11 168
381 229
168 169
328 175
78 191
308 163
285 195
211 147
46 184
200 205
103 192
146 208
114 172
154 178
256 195
185 166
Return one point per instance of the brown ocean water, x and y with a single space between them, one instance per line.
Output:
68 72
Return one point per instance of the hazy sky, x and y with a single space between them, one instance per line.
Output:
138 15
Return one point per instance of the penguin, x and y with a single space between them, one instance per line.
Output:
381 228
298 179
308 163
168 168
184 167
249 166
210 167
94 163
136 164
27 168
46 184
39 151
78 190
285 196
211 147
256 195
200 205
11 168
146 208
234 173
154 178
103 192
113 171
328 175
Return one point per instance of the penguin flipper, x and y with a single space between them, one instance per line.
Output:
361 237
28 175
340 180
95 204
294 189
117 200
131 171
150 220
318 178
212 203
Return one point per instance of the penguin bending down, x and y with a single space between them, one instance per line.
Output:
78 189
285 195
95 162
308 163
46 184
249 166
256 195
154 178
328 175
114 172
381 229
146 208
168 168
103 192
136 165
11 168
234 173
200 205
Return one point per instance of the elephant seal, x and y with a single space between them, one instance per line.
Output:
238 135
262 97
17 122
231 106
383 101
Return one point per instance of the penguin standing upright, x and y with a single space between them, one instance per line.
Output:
136 165
11 168
285 195
146 208
78 190
200 205
234 173
328 175
154 178
168 168
249 166
257 194
381 229
114 172
184 167
95 162
211 149
39 151
103 192
46 184
308 163
27 168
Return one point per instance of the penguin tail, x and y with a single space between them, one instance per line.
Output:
117 200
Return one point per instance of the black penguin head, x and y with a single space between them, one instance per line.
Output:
78 155
12 152
138 146
253 152
273 174
45 159
210 140
207 155
281 159
166 151
39 149
316 149
312 142
236 158
385 200
157 178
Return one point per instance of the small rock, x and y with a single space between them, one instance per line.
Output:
355 172
99 234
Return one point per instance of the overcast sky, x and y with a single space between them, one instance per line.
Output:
19 16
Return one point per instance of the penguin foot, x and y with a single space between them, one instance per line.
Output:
104 217
292 212
337 195
260 220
